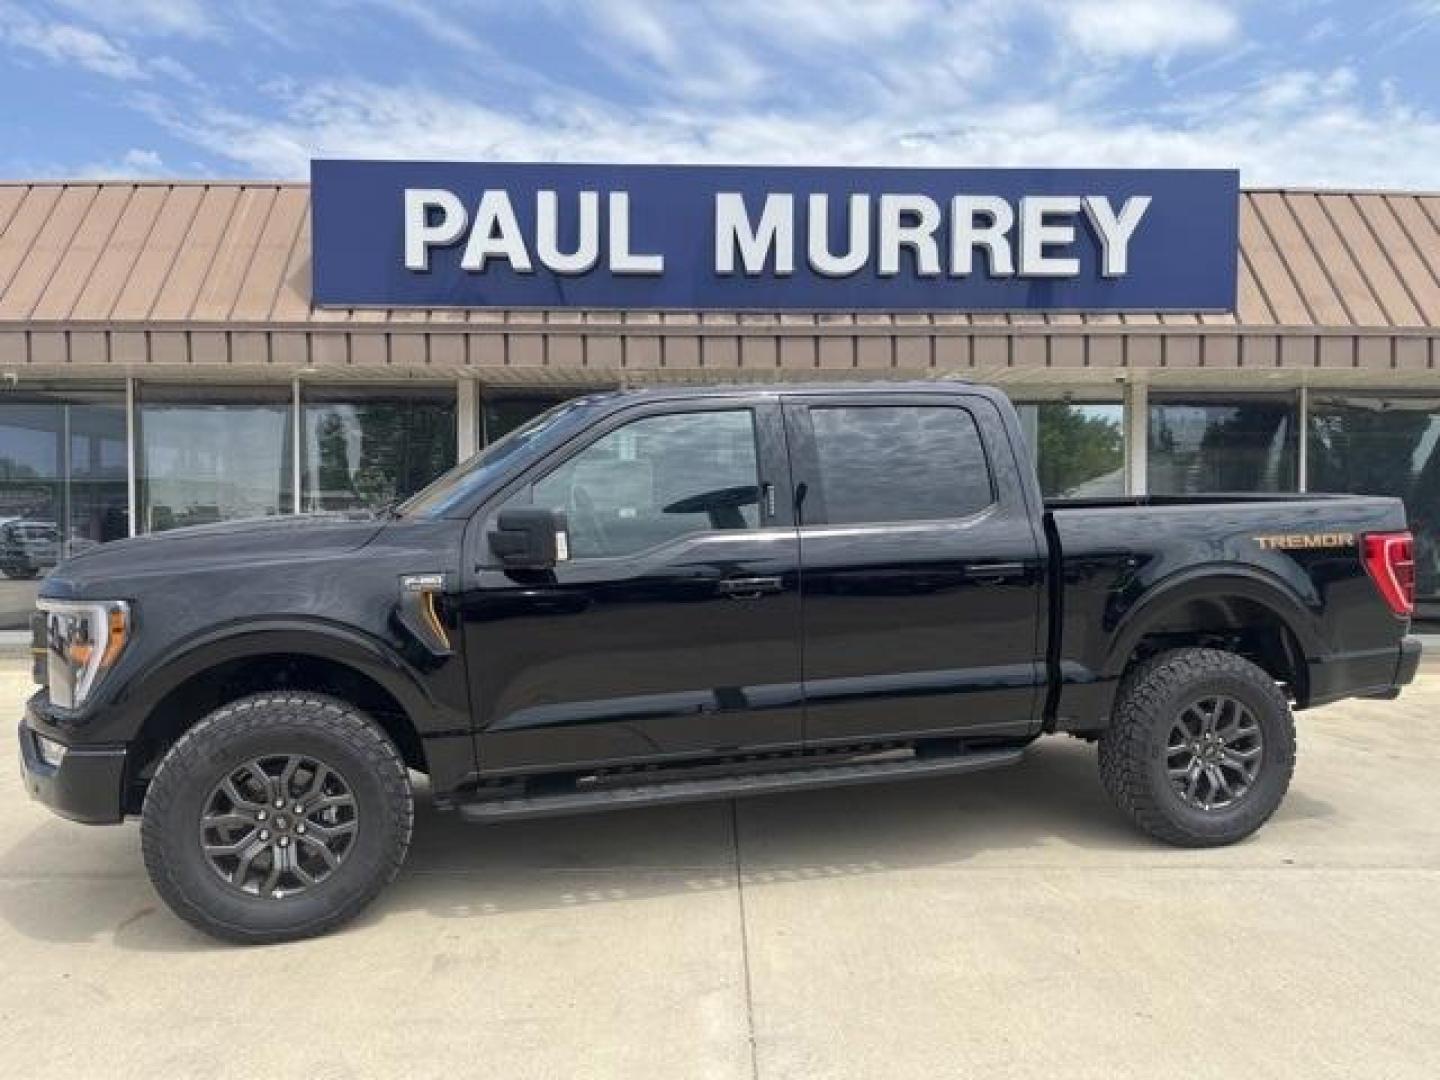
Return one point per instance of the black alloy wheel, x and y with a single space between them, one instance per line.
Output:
1214 753
279 825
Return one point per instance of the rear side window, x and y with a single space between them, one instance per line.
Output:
899 463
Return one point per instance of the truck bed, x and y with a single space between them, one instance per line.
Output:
1109 569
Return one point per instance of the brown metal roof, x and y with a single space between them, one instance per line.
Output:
132 255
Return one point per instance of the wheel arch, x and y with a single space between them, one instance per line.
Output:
1243 612
231 663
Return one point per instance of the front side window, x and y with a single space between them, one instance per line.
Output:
657 479
899 463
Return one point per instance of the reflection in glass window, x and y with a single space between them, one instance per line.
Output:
899 463
365 446
657 479
1203 443
213 453
1371 445
502 412
1079 448
62 484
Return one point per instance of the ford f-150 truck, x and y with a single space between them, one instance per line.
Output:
662 595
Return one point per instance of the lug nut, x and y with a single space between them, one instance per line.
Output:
261 816
264 834
299 809
300 828
279 804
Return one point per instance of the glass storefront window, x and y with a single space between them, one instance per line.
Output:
502 411
213 453
1079 447
1202 443
1367 444
365 446
62 484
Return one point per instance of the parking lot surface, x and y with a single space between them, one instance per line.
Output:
1002 925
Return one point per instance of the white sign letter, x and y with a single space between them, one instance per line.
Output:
622 260
1115 232
919 235
496 235
1036 236
991 233
547 233
776 231
821 261
420 235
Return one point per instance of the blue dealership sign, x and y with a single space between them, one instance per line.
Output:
696 237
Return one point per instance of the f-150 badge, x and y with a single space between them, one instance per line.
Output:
1301 541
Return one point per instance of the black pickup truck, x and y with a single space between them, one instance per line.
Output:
665 595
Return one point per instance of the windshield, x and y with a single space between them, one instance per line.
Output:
455 486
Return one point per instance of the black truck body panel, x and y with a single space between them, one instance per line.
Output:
794 634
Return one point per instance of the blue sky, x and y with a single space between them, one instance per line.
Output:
1301 92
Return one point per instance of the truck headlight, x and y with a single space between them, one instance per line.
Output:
83 639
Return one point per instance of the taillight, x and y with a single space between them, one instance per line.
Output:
1390 561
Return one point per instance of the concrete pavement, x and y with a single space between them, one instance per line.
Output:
1002 925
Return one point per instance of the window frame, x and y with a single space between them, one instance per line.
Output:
771 459
805 461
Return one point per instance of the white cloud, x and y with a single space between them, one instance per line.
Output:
910 82
1132 28
65 43
134 164
1296 128
182 18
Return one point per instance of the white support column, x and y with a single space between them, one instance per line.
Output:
467 418
1137 432
1302 436
296 431
132 459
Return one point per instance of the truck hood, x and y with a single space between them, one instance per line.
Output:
112 569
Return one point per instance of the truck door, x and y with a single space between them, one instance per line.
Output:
922 574
673 629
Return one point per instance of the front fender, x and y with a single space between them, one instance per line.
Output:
121 716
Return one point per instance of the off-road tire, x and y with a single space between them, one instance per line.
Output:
1133 751
263 725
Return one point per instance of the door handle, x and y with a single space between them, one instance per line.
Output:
747 588
993 573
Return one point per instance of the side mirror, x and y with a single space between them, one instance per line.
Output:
525 539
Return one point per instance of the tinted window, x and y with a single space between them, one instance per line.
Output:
364 446
657 479
899 463
1079 448
1203 444
213 454
1373 445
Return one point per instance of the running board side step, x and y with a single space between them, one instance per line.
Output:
665 792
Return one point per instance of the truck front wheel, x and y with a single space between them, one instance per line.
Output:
276 817
1200 748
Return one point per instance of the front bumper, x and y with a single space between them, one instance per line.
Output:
87 785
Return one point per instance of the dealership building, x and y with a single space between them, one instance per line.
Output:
163 362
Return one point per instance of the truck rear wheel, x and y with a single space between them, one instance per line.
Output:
1200 748
277 817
